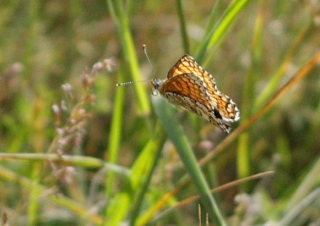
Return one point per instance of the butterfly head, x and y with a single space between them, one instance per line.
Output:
156 83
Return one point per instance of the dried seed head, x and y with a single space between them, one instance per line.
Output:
67 87
63 105
56 109
97 67
17 68
90 98
108 64
87 81
60 131
69 174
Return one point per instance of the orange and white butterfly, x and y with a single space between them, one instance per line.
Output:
191 87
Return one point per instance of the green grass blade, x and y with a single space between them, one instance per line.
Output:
129 52
37 142
33 19
216 34
290 217
115 133
146 164
275 80
33 207
144 161
73 160
117 209
217 9
183 29
233 10
311 181
176 135
112 155
248 96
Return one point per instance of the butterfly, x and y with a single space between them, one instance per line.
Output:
194 89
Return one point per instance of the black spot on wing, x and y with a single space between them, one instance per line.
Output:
217 114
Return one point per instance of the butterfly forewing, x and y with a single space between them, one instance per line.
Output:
186 65
185 85
189 86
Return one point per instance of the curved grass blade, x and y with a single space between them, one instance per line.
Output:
311 180
294 213
74 160
216 34
146 164
176 135
117 209
276 78
115 133
216 10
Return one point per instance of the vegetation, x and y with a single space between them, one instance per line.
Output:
77 150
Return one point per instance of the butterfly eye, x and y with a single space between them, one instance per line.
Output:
156 83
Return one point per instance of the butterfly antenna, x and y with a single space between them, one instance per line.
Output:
130 82
125 83
144 46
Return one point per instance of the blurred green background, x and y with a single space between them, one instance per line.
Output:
77 150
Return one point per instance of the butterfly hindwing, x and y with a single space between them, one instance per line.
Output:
191 87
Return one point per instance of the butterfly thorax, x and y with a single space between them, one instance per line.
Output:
156 83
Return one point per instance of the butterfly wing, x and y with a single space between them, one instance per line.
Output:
189 92
186 65
219 101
